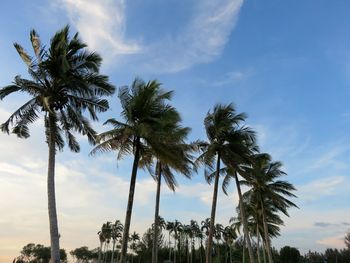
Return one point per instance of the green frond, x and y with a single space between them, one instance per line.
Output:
23 54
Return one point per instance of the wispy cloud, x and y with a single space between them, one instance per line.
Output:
233 77
201 41
321 188
102 25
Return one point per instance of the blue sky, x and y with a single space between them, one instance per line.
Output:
286 64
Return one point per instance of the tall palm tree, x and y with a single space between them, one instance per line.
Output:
176 157
170 229
117 230
65 81
134 238
102 239
227 142
267 190
177 229
144 110
229 235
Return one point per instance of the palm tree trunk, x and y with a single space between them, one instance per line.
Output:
258 242
244 219
169 248
213 211
156 214
201 251
175 248
54 235
266 233
130 201
113 251
264 253
244 244
100 252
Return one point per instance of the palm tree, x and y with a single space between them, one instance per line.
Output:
170 229
229 235
227 141
218 231
134 238
177 229
175 158
178 159
65 81
102 240
117 230
267 191
145 110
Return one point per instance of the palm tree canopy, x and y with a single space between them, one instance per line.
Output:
263 179
64 82
145 112
227 137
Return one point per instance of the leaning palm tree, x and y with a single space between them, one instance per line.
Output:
145 110
227 141
267 191
65 81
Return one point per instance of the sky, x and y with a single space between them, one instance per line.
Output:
285 63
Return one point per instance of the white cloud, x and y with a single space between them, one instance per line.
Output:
102 25
233 77
321 188
202 40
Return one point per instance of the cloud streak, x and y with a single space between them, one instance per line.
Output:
102 25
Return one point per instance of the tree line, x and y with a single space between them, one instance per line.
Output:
66 89
189 247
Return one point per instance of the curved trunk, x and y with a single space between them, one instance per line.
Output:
123 257
156 214
245 223
213 211
54 235
266 233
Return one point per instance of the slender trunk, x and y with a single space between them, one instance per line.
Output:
266 233
113 245
54 235
175 247
169 248
100 252
244 219
264 253
130 202
156 214
213 211
187 251
244 244
258 242
230 254
201 251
